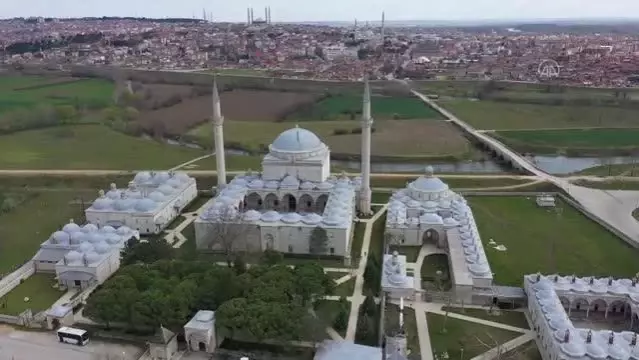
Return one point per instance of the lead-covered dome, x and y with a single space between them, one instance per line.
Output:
297 140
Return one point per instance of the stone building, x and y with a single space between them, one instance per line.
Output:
584 317
428 213
149 203
199 332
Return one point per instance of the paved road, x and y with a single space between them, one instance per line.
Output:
21 345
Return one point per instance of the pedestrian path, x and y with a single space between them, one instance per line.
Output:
500 349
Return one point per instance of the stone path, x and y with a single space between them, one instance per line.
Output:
358 296
190 162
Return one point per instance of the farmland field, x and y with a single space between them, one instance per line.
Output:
593 138
349 106
23 92
404 139
492 115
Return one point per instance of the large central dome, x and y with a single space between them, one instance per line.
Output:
296 140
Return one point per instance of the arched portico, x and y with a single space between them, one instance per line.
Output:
306 203
253 201
320 204
271 202
289 203
430 236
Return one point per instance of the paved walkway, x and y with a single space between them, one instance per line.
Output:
358 296
190 162
499 350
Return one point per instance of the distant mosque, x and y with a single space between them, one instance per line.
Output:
294 195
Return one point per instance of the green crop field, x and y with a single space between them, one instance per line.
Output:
540 240
586 138
87 147
382 107
24 92
491 115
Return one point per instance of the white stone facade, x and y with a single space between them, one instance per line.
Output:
199 332
557 304
395 282
279 208
149 204
428 212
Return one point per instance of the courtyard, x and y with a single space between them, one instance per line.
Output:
39 290
560 240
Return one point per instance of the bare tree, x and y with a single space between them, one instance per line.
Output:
227 232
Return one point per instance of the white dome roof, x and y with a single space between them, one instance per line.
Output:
595 351
271 216
291 218
123 230
450 222
123 204
183 177
78 237
161 177
479 269
113 194
102 203
107 229
431 219
89 228
102 247
296 140
573 349
290 181
312 219
252 215
133 194
429 184
165 189
142 177
617 352
73 256
95 237
85 247
113 238
174 182
92 257
256 184
60 237
307 185
71 227
145 205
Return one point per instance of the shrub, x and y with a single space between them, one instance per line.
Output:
340 132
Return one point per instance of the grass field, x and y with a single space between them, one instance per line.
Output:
382 108
612 170
512 318
475 338
38 288
87 147
609 185
346 288
17 92
490 115
453 183
25 228
404 139
539 240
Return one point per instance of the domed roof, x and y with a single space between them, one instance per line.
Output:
617 352
312 219
429 184
161 177
290 181
60 237
142 177
291 218
573 349
271 216
307 185
95 237
92 257
123 204
113 194
123 230
102 247
113 238
85 247
296 140
479 269
183 177
165 189
88 228
78 237
174 182
252 215
595 351
450 222
256 184
102 203
71 227
145 205
431 218
73 256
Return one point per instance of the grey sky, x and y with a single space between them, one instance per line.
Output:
305 10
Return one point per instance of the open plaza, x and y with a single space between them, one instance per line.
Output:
420 266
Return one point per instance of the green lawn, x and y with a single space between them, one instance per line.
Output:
346 288
327 311
391 326
609 185
197 203
475 338
25 228
358 239
612 170
382 108
38 288
501 115
540 240
92 92
411 252
430 266
512 318
233 162
593 138
87 147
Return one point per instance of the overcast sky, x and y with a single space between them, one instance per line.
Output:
329 10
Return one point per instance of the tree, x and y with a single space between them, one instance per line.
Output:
66 114
104 307
310 281
369 308
271 257
318 241
239 264
227 232
341 319
147 252
372 275
365 331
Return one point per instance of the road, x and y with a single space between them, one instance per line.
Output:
21 345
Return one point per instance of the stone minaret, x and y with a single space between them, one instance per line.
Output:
382 30
367 123
218 134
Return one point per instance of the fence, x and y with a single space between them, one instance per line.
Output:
12 280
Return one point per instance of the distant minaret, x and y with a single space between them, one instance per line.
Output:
218 133
382 26
251 15
367 123
248 16
266 14
269 15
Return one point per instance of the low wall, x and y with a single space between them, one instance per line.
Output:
12 280
9 319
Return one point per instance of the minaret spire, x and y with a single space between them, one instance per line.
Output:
367 123
218 134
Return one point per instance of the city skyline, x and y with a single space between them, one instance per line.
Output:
285 11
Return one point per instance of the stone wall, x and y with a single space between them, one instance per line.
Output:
12 280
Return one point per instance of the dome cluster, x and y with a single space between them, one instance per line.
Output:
580 343
88 244
145 193
394 271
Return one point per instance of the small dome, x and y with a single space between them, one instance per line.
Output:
479 269
271 216
431 219
183 177
414 204
272 184
113 194
85 247
107 229
123 204
256 184
291 218
617 352
307 185
133 194
312 219
205 316
60 237
174 183
78 238
574 349
95 237
92 257
89 228
450 222
290 181
157 196
102 247
296 140
239 181
73 256
102 203
430 205
332 220
595 351
142 177
123 230
145 205
71 227
325 185
428 184
251 215
397 278
165 189
113 238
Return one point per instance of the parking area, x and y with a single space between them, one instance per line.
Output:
28 345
